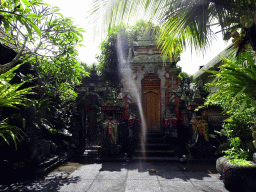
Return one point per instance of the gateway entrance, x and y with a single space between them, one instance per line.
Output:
151 101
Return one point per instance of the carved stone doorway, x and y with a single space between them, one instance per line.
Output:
151 101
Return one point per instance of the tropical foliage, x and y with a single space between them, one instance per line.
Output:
11 96
236 95
187 87
236 80
43 37
19 11
108 59
185 23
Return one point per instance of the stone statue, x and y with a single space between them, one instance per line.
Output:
110 130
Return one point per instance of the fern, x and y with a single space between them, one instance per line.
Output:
12 96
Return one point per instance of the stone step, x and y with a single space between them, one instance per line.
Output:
91 152
48 162
155 153
174 160
157 159
52 162
154 135
156 146
136 158
155 140
91 147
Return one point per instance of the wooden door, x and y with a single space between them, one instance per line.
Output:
151 102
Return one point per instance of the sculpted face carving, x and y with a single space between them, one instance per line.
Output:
150 68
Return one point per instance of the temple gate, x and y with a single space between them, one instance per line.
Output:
156 79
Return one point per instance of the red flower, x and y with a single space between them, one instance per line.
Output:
130 122
138 122
166 122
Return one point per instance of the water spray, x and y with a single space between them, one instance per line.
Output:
127 73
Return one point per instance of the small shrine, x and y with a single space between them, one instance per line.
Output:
157 82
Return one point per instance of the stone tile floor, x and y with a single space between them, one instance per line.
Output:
125 177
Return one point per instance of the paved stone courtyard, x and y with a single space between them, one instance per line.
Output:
131 176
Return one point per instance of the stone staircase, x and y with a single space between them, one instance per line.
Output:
157 148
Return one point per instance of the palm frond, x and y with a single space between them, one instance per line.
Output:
110 13
184 23
188 21
236 78
7 130
12 96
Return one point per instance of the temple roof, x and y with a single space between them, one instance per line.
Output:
213 64
145 50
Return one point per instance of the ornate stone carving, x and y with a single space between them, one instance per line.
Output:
150 68
150 52
151 80
149 59
161 71
130 54
135 43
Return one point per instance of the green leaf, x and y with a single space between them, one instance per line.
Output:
3 136
26 2
59 14
4 3
212 136
34 26
28 29
56 9
33 15
6 26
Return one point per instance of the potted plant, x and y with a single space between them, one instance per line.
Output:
237 173
220 165
238 169
253 128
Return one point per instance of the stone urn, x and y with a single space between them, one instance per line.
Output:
239 177
254 157
220 165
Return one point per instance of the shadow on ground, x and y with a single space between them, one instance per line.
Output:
53 183
202 173
50 180
165 170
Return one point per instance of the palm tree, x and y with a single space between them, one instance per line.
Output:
186 21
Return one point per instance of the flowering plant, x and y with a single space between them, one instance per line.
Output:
131 122
203 129
138 122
